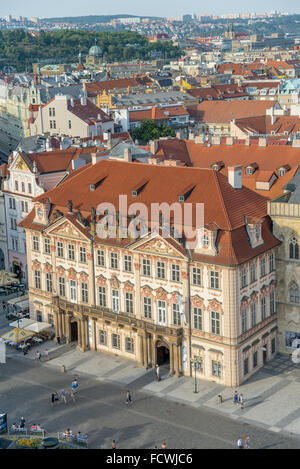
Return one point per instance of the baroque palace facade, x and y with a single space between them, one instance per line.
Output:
123 295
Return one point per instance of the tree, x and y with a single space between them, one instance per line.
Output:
150 130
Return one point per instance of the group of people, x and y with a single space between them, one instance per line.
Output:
238 399
163 446
243 444
39 355
78 437
55 397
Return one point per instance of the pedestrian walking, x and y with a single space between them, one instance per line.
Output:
74 385
22 422
52 399
37 355
114 444
236 398
73 396
241 401
157 372
164 445
247 442
58 340
63 396
240 443
128 397
46 353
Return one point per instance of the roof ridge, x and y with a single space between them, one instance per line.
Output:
216 176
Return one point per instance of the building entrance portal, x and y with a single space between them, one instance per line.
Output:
162 353
74 331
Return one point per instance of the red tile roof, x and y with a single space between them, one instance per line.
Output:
157 113
88 112
225 111
224 206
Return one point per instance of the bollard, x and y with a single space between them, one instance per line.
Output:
63 368
219 399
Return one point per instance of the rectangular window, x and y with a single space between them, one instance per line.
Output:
243 277
37 279
61 286
113 260
175 273
82 254
12 203
161 270
196 276
147 308
35 243
263 267
16 185
102 296
198 363
13 224
272 302
23 186
73 291
60 249
252 273
39 316
100 258
47 245
263 308
129 345
216 368
49 282
176 314
29 188
215 322
273 346
253 314
102 336
255 360
50 319
70 125
146 267
214 279
198 320
115 301
161 312
14 243
246 366
84 293
71 252
129 303
127 263
271 263
115 338
244 321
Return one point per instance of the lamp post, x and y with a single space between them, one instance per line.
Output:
194 362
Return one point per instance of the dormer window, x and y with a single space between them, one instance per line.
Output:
205 240
281 172
254 232
134 194
181 198
249 171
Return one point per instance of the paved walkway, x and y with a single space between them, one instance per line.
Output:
272 396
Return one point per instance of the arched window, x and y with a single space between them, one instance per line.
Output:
294 249
294 293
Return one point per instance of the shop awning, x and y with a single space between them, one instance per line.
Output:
22 323
21 302
17 335
38 326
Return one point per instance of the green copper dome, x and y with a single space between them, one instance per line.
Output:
95 51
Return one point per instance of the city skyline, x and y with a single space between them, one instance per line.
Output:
132 7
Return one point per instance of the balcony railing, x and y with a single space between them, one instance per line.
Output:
122 318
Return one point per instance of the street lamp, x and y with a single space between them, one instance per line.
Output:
195 362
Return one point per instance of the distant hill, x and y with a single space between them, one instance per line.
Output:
90 19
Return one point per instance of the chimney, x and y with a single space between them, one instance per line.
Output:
229 141
153 146
83 101
72 102
179 134
248 141
127 155
48 144
153 112
235 176
191 136
262 142
296 143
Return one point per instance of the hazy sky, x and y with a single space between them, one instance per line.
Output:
169 8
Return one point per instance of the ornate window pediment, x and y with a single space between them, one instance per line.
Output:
206 240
